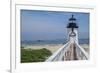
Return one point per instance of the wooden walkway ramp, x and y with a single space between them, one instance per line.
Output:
70 51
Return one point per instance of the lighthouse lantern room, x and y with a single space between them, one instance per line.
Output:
72 29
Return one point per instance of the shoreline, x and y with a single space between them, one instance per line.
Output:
52 47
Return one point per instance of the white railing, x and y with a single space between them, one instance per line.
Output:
60 53
81 53
57 56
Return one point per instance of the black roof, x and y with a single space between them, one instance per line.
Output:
72 18
72 24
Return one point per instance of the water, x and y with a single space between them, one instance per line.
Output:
83 41
57 41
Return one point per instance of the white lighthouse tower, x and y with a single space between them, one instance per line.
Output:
72 29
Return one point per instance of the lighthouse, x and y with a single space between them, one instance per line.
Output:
72 29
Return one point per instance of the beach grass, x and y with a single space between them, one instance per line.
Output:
34 55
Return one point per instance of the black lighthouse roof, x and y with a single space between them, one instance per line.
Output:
72 23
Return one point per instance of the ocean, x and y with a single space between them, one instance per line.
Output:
57 41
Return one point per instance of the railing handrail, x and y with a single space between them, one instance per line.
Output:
83 51
57 52
66 47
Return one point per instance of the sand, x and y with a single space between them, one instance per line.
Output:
86 47
54 47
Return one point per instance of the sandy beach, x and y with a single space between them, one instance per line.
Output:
53 47
86 47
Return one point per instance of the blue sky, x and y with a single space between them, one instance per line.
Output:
49 25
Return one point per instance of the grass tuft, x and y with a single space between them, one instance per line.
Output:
29 55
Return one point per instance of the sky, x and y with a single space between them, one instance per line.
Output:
50 25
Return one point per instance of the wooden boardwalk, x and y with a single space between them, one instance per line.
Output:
70 51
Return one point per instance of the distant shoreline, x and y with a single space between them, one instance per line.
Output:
52 42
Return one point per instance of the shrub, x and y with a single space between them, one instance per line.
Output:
29 55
